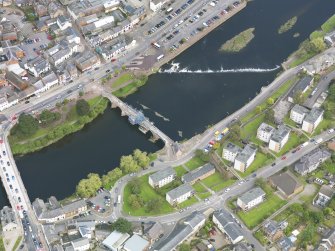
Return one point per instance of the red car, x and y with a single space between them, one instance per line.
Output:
212 142
284 157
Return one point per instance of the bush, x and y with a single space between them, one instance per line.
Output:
82 107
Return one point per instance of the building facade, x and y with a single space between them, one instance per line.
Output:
264 132
251 198
179 194
162 178
279 138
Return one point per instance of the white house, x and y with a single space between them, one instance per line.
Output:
298 113
115 240
312 120
244 159
230 151
81 244
179 194
279 138
251 198
163 177
37 66
156 5
264 132
63 23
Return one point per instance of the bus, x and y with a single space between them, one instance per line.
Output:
156 45
160 57
168 11
119 199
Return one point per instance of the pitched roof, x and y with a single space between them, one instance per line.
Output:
251 195
300 109
160 175
229 225
246 153
197 173
314 115
286 182
311 159
179 191
232 148
280 133
136 243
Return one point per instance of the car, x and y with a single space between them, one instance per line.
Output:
331 130
254 174
71 81
8 164
294 151
16 190
10 186
8 180
108 70
284 157
19 199
4 153
27 102
4 169
212 240
273 164
21 207
161 235
298 148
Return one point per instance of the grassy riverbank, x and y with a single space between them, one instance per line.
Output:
127 84
70 123
238 42
288 25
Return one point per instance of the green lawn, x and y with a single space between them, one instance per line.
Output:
122 80
180 170
194 163
223 185
202 192
216 182
188 202
324 125
261 237
329 25
257 215
293 141
147 194
2 245
261 160
250 130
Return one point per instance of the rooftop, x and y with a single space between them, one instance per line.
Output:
310 159
232 148
280 133
314 115
197 173
160 175
266 128
228 224
251 195
301 85
136 243
286 182
115 240
300 109
246 153
179 191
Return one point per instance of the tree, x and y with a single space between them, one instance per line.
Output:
128 164
47 117
202 155
184 247
122 225
327 211
135 186
298 97
269 116
270 101
141 158
88 187
135 201
317 44
27 125
82 107
235 133
316 217
154 205
81 94
259 109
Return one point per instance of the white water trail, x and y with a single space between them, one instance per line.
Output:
175 68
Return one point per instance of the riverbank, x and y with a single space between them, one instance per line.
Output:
70 123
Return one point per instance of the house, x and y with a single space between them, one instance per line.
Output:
115 48
8 219
264 132
199 173
62 51
163 177
311 161
300 88
272 230
330 38
298 113
285 244
228 226
286 183
55 10
115 241
328 242
180 233
156 5
136 243
63 22
324 196
312 120
47 213
179 194
230 151
251 198
37 66
155 231
279 138
87 61
15 80
320 63
244 159
81 244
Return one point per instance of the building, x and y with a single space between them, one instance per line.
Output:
154 231
63 22
87 61
286 183
230 151
52 212
228 226
8 219
81 244
328 242
311 161
285 244
199 173
180 233
298 113
163 177
324 196
272 230
264 132
251 198
330 39
279 138
115 48
179 194
312 120
300 88
136 243
156 5
62 51
115 241
244 159
37 66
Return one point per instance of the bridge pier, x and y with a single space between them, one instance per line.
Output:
113 105
154 137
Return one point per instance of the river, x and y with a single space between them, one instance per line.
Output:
181 103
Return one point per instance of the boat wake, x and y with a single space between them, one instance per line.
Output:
175 68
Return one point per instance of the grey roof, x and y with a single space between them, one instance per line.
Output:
280 133
194 219
270 227
300 109
286 182
80 242
229 225
136 243
50 78
314 157
155 230
232 148
115 239
197 173
313 115
301 85
242 246
179 191
39 64
327 190
246 153
285 244
251 195
266 128
160 175
331 236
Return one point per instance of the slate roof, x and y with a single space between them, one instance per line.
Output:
160 175
251 195
286 182
197 173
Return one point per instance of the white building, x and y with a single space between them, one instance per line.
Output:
251 198
264 132
63 23
156 5
230 151
81 244
163 177
37 66
312 120
6 103
279 138
136 243
179 194
115 241
298 113
244 159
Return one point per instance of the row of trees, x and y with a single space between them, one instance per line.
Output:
128 164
